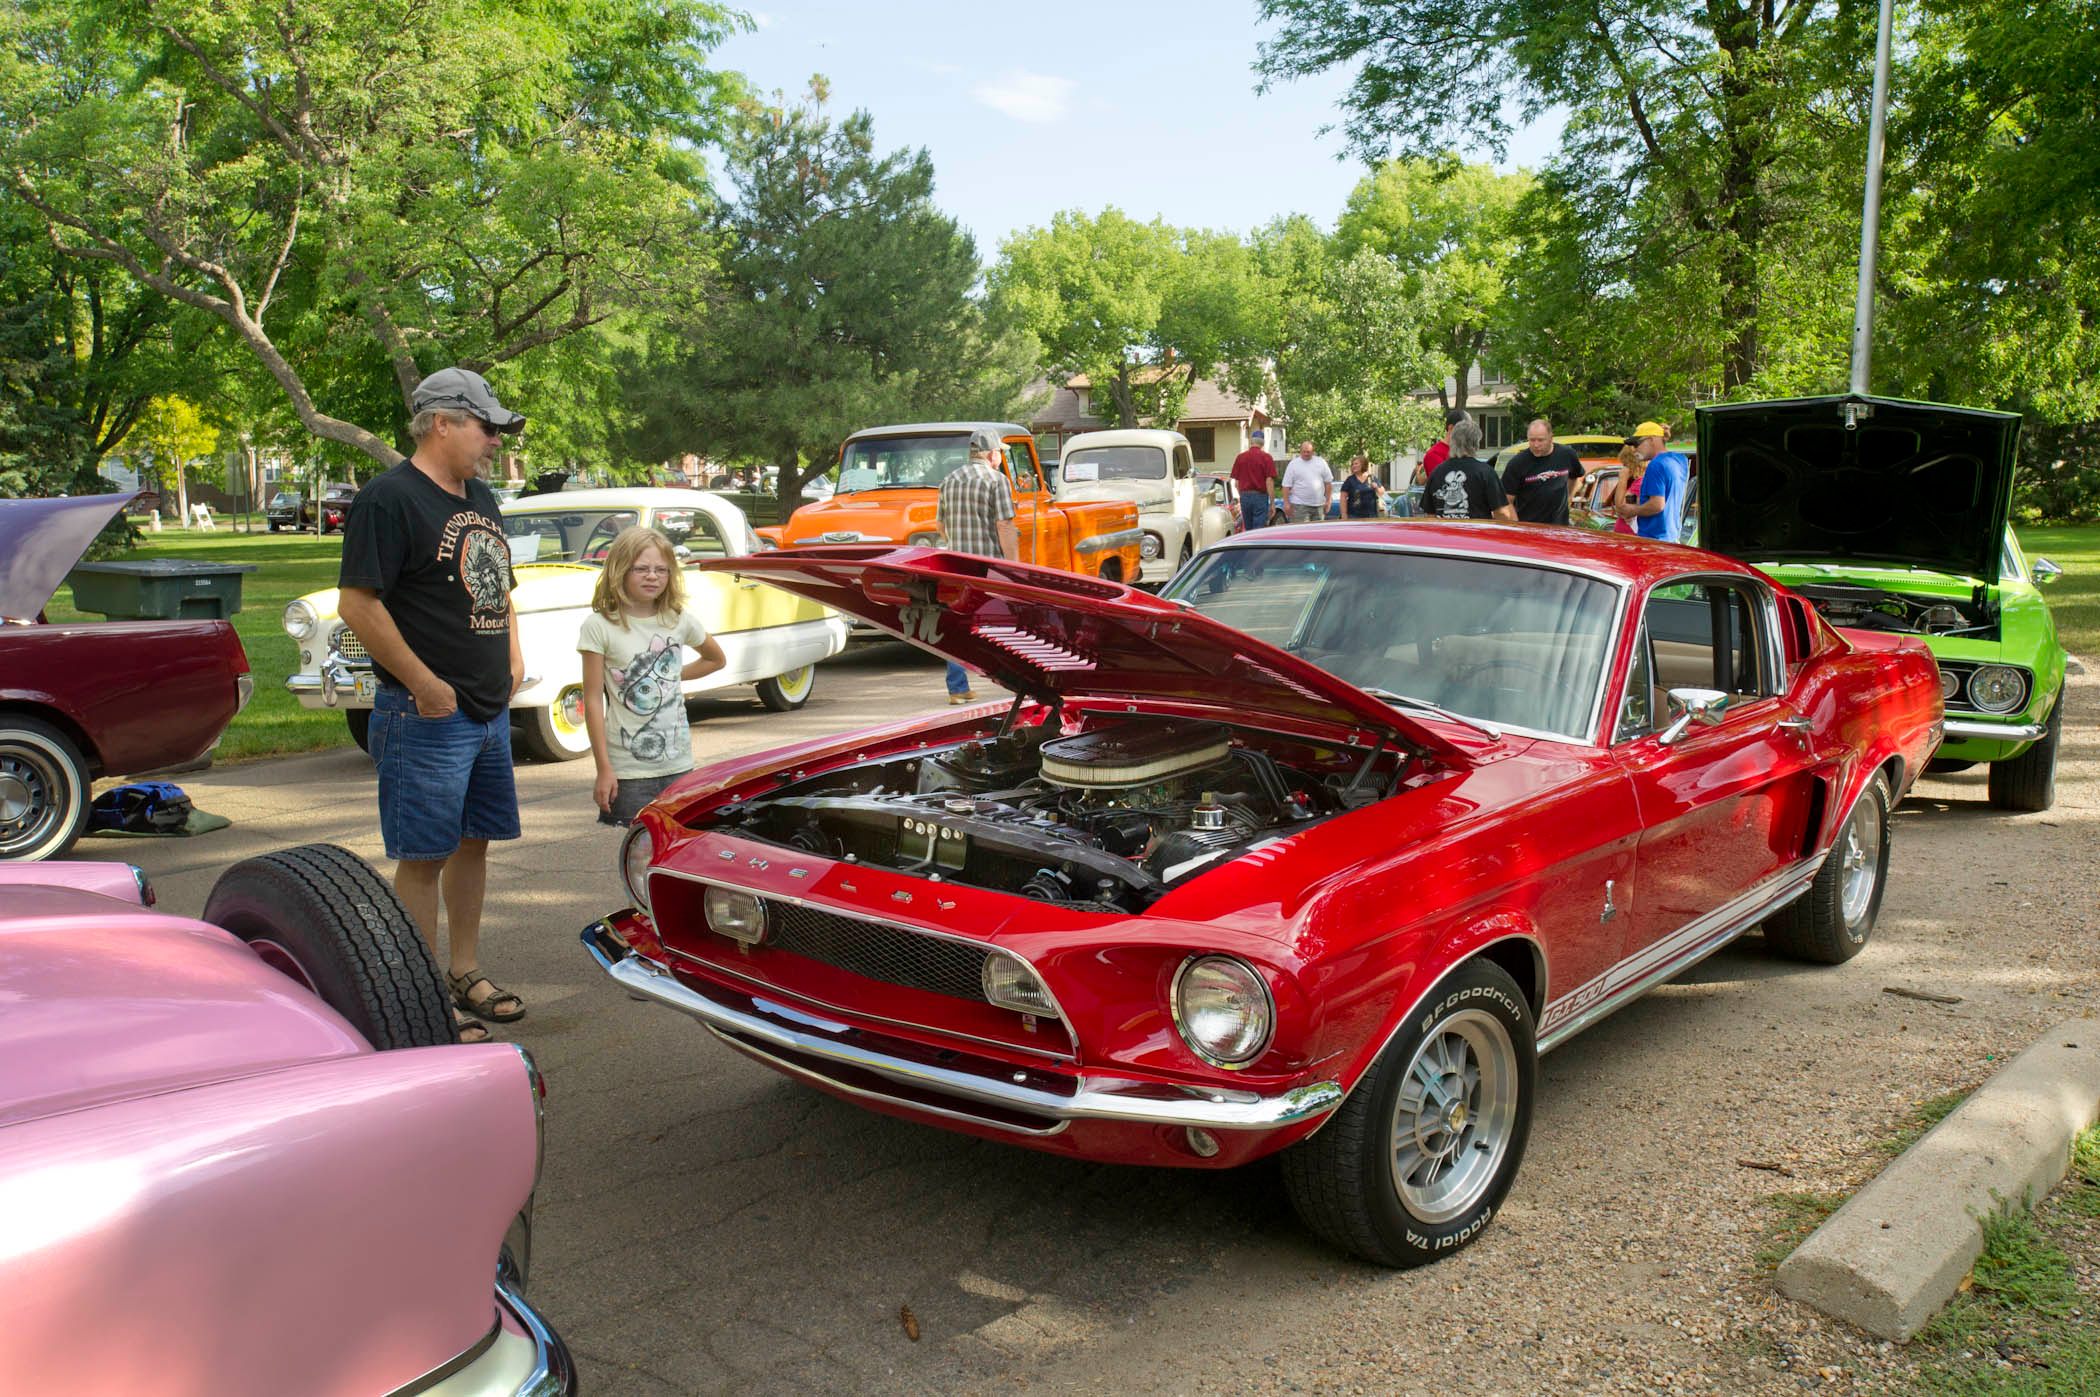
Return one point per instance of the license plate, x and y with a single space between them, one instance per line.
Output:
367 687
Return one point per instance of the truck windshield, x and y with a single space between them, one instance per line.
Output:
1114 463
901 463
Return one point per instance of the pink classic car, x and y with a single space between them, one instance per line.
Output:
244 1155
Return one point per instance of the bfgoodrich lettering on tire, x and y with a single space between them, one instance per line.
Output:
1419 1158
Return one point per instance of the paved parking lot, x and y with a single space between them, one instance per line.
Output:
705 1225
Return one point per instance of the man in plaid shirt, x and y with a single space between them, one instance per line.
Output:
976 515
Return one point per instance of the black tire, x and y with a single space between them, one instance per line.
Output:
46 790
1815 926
327 920
360 721
1342 1181
2028 781
273 528
1945 766
784 693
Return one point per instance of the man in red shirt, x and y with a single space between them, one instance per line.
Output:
1254 472
1439 452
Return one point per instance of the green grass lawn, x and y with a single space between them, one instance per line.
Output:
287 566
2074 598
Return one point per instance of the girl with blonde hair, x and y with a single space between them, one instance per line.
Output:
1624 487
634 667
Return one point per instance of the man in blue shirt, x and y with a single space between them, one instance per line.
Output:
1657 503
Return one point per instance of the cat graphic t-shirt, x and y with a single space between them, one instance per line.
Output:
646 729
441 566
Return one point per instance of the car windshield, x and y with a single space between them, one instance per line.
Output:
1502 643
283 499
1115 463
584 535
900 463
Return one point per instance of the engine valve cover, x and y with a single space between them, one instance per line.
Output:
1134 754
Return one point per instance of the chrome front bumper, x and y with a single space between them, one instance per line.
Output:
1958 729
1120 539
812 1039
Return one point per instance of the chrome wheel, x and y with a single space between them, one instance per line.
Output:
43 793
1859 859
1455 1116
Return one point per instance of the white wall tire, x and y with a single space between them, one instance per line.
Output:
784 693
555 732
45 790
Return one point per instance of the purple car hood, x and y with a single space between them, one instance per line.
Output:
102 1000
40 540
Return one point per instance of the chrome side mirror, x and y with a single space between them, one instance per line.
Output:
2046 571
1705 707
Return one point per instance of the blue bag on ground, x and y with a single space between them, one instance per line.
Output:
143 807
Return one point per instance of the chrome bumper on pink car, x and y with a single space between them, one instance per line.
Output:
841 1055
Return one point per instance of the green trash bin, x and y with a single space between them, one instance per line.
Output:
159 589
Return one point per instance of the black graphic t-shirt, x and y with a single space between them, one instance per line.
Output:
1538 485
1463 487
442 568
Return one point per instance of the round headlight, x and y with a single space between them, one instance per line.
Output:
1011 985
1950 684
1150 546
1997 688
738 916
299 620
1223 1010
634 865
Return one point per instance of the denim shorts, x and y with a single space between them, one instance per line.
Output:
441 780
633 795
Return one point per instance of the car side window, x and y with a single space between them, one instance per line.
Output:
1706 635
1184 464
1022 455
692 532
1637 706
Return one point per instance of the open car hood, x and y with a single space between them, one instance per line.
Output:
40 540
1911 484
1054 635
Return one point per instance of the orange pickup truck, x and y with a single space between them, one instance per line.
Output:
889 492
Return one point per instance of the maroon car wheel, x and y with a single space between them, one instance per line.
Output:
45 789
325 919
1417 1161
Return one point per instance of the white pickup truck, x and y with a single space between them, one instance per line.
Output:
1154 470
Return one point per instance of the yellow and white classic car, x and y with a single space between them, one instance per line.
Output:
771 639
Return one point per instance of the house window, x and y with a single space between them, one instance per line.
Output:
1203 441
1046 445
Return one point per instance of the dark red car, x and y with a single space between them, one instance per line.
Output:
1314 854
90 699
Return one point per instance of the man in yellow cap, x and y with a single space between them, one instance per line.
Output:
1656 505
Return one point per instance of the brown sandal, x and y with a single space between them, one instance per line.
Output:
487 1006
470 1030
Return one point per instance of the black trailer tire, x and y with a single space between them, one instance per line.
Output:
1830 923
2028 781
1368 1180
325 918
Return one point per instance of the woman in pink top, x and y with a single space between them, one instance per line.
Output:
1629 481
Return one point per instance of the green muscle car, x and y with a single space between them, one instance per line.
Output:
1891 516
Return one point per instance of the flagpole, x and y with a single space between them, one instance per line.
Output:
1870 215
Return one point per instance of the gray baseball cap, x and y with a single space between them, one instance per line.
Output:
465 391
984 439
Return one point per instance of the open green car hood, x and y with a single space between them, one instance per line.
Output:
1872 480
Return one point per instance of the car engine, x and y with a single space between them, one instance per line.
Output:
1873 609
1108 817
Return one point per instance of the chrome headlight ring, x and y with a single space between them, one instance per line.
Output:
1222 1009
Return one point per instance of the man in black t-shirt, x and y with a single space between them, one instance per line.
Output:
1541 477
426 587
1464 486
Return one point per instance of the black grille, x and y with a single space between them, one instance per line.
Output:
878 952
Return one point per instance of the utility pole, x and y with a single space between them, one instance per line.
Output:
1870 215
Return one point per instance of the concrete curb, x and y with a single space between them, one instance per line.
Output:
1892 1256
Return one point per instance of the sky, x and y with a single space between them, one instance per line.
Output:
1148 105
